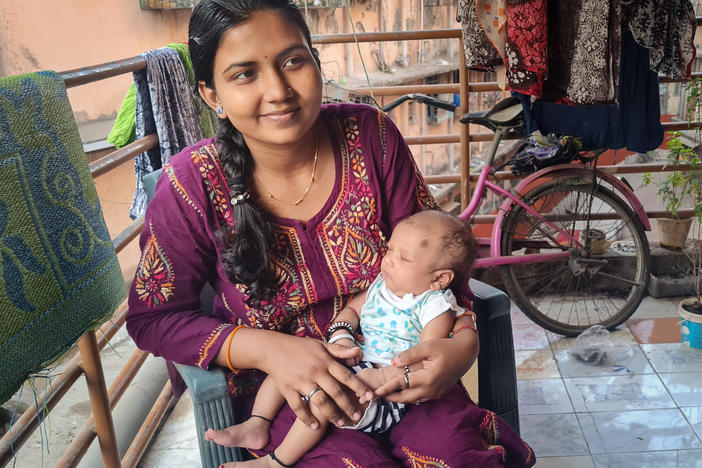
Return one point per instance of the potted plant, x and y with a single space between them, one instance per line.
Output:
675 190
684 188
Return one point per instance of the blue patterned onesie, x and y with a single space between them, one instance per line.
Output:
391 325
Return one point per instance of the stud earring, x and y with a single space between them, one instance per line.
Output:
219 110
290 92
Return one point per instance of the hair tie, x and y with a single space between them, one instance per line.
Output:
238 189
240 197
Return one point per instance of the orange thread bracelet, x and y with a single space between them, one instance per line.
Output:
453 332
229 345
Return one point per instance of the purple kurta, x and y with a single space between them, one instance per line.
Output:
318 263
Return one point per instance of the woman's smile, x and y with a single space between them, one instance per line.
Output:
282 116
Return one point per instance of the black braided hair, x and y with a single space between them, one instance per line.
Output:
247 249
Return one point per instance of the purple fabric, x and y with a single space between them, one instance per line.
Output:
449 432
322 261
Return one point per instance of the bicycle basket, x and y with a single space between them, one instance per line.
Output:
531 155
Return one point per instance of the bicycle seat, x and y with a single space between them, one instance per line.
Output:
507 113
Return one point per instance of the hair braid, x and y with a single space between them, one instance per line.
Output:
246 255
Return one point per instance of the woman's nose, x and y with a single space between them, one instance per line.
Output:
276 87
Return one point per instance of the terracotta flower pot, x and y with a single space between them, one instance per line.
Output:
672 232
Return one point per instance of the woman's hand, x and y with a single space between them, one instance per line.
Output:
300 365
441 363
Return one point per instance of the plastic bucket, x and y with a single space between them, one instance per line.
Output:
690 327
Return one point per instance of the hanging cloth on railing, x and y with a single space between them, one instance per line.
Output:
479 51
559 50
164 106
634 122
526 45
667 28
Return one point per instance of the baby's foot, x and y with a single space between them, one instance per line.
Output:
252 434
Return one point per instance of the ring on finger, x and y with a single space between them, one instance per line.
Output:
306 398
418 402
407 371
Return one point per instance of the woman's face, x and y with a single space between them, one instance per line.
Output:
266 80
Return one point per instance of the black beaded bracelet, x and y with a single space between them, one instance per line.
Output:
338 326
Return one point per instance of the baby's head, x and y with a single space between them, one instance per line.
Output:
426 251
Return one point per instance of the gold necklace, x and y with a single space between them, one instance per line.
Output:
302 197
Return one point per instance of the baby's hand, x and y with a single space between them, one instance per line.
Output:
348 343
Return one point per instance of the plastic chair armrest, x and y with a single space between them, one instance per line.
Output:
213 409
497 377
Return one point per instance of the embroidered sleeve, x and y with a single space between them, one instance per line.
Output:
178 258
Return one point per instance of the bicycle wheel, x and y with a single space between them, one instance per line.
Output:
601 282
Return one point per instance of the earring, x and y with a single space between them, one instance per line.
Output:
219 110
290 92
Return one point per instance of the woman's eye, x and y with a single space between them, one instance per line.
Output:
292 62
243 75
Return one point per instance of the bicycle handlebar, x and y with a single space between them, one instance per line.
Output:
421 98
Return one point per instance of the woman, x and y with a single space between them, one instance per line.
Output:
286 214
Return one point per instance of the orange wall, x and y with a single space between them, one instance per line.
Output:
65 34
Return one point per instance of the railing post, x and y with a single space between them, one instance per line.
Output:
465 131
99 402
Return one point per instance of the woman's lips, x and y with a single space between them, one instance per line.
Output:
282 116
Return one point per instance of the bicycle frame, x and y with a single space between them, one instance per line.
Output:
495 258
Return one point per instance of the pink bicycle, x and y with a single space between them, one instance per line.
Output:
569 239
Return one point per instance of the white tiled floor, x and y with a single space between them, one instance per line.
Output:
643 408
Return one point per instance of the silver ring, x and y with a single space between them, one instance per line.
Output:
417 402
407 371
306 398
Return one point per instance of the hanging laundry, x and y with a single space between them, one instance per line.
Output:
526 45
667 27
565 50
634 123
124 129
479 51
595 65
164 106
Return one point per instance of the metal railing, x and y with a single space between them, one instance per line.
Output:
28 422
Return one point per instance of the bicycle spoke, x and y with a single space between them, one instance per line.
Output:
568 298
618 278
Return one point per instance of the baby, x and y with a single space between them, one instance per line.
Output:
407 304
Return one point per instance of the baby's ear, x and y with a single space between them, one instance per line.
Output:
441 280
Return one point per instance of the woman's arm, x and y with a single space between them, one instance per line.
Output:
297 366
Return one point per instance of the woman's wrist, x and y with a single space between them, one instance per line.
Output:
247 349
